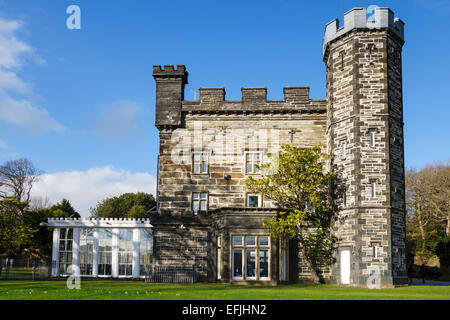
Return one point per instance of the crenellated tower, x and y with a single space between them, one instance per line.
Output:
170 84
365 138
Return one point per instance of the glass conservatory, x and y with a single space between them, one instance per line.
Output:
101 247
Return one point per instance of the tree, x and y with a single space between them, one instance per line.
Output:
64 209
418 213
438 193
15 233
136 212
296 180
119 207
17 178
428 207
40 245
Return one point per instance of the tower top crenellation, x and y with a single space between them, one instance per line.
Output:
357 18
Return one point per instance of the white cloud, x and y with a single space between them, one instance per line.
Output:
84 189
16 106
118 120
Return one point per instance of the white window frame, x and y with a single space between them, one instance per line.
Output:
253 170
256 252
247 198
244 248
198 164
199 200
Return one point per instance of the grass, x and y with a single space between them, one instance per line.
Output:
95 289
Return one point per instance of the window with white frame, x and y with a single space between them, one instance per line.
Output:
372 191
145 250
125 252
104 251
86 250
252 161
253 200
65 251
199 163
250 257
199 201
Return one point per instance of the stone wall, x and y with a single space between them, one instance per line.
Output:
225 131
365 136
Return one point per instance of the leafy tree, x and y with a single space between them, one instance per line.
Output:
296 180
41 243
64 209
15 233
137 211
119 207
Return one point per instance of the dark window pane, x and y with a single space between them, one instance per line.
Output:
250 263
237 263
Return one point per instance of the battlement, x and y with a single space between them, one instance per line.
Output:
208 95
169 72
253 95
356 18
99 223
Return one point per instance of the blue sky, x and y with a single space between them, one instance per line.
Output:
81 102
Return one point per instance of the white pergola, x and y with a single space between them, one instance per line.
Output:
115 224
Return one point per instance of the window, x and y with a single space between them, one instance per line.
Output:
219 257
283 259
344 149
344 200
237 240
86 250
125 252
65 251
373 190
200 163
372 139
199 201
250 241
252 161
253 201
250 255
104 251
145 250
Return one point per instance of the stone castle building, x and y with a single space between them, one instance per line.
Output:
209 146
207 221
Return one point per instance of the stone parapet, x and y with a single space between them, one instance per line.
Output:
356 18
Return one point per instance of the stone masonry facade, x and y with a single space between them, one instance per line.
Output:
208 147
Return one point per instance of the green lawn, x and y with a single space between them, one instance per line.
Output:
136 290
